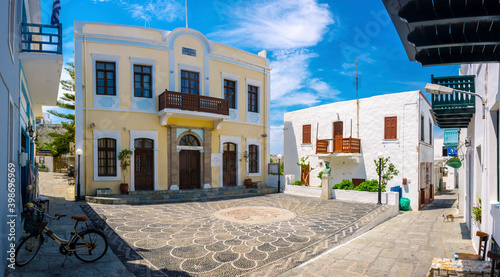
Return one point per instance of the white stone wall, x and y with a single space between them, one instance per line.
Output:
404 151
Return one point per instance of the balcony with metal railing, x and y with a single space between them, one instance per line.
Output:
185 105
42 61
41 38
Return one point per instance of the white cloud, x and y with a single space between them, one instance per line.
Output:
277 24
163 10
289 71
276 138
291 82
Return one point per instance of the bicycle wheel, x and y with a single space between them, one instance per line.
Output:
27 249
93 246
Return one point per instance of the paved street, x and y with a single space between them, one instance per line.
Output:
256 236
402 246
48 261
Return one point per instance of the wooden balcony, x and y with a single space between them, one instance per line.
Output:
340 145
192 102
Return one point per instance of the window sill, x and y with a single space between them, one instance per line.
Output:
306 145
107 178
253 174
390 140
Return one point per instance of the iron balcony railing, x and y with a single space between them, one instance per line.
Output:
192 102
456 100
338 145
41 38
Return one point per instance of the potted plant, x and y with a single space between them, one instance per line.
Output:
305 169
476 212
124 157
248 181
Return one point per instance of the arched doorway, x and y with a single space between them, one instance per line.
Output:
144 174
229 164
189 164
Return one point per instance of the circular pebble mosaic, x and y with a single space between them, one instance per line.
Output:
230 237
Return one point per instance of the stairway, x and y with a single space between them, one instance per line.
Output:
170 196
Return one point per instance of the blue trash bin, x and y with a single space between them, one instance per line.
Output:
399 190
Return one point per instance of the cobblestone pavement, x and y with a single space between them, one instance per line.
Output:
402 246
256 236
48 262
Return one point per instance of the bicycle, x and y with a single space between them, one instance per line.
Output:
88 245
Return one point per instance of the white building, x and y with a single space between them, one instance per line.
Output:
399 125
479 174
448 176
30 68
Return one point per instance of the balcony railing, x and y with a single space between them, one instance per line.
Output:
455 100
192 102
41 38
339 145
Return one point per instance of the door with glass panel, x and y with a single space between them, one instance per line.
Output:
144 164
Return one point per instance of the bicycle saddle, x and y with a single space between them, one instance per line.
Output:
80 217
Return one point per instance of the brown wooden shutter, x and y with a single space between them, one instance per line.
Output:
390 128
306 133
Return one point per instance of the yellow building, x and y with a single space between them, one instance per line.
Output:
195 112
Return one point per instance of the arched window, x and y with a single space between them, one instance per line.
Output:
106 151
253 158
189 140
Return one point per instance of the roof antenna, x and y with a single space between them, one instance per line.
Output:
186 6
146 21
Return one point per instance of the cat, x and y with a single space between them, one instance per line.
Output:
447 217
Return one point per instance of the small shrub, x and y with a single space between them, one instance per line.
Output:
297 183
41 166
370 185
320 174
345 185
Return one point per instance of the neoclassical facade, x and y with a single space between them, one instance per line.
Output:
194 112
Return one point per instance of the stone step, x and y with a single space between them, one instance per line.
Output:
142 192
188 195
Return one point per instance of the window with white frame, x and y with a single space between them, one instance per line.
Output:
230 92
106 147
254 163
106 157
105 78
253 99
253 158
143 81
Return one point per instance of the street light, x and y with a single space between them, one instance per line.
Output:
442 90
79 153
279 172
380 155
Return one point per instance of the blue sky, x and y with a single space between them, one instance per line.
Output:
312 44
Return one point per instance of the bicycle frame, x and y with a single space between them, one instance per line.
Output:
67 243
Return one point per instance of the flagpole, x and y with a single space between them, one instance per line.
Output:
186 6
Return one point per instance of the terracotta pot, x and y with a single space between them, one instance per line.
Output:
248 183
124 188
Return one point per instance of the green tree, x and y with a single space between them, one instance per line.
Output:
60 145
388 170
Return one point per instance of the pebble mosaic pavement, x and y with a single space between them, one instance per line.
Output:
255 236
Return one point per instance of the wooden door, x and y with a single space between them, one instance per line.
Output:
229 165
304 175
189 169
338 132
144 164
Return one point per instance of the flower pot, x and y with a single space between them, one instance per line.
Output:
124 188
248 183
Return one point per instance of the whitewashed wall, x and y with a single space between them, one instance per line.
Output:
449 182
481 166
403 151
